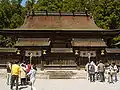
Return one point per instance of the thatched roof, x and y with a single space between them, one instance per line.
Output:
59 21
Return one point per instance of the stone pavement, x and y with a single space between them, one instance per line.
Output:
66 84
63 84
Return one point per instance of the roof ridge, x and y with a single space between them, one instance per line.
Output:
44 13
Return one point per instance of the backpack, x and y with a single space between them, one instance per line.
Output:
91 68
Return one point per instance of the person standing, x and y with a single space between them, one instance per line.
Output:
86 69
96 71
32 75
110 73
91 71
23 74
115 72
15 71
101 71
28 68
8 67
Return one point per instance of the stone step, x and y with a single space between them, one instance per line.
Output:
59 74
56 74
60 68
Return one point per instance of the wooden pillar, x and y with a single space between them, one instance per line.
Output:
42 62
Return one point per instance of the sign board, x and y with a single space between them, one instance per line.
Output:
88 54
61 50
34 53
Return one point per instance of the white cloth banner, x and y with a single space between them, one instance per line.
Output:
88 54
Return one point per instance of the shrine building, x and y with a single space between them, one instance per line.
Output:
67 40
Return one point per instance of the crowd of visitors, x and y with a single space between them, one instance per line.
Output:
20 74
24 73
97 72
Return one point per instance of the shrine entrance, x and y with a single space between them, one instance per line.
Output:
60 58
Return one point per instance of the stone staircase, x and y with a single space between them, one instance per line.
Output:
61 74
55 74
61 68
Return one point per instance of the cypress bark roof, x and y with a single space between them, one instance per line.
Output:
33 42
88 42
59 21
8 49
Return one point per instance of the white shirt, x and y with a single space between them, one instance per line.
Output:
32 73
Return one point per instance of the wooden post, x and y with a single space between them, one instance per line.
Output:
30 58
46 12
89 56
60 12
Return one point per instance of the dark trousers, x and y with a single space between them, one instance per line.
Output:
23 81
102 77
27 79
13 79
92 77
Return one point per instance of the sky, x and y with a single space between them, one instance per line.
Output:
23 2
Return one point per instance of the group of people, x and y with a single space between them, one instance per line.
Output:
98 71
20 72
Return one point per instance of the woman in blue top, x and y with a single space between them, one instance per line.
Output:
32 75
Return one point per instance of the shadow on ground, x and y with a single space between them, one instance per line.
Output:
23 87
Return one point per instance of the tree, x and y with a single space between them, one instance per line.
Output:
6 41
30 5
2 14
7 9
16 21
106 14
116 41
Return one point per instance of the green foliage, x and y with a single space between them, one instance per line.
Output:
116 39
7 10
63 5
116 42
106 14
7 41
16 21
